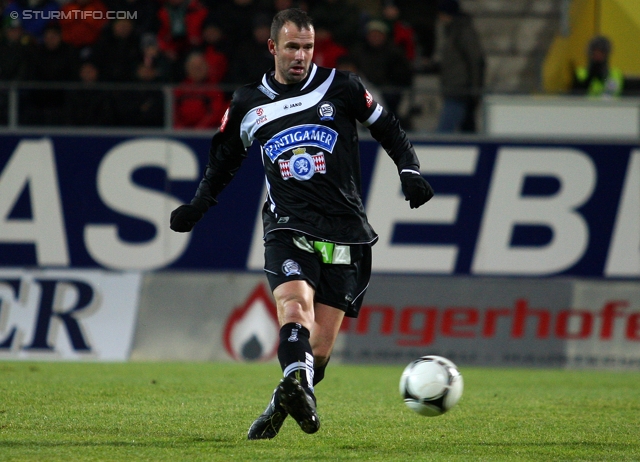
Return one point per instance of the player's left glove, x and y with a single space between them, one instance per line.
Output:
185 217
415 188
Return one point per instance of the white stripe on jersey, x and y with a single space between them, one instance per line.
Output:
311 76
373 117
272 204
262 115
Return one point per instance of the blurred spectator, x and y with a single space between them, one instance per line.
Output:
15 49
40 14
154 64
598 79
325 50
143 12
213 34
88 106
117 52
422 16
273 7
401 32
343 18
212 38
368 8
252 58
83 22
384 64
197 103
236 19
348 63
144 107
180 27
52 61
461 69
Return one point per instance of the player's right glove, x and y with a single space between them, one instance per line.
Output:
185 217
415 188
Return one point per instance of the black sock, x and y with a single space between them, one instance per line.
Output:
318 372
294 353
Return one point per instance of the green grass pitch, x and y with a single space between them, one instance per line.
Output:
138 411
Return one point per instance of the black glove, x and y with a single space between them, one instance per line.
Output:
415 188
185 217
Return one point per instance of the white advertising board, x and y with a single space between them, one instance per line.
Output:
67 314
562 117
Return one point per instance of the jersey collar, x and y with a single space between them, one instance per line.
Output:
275 87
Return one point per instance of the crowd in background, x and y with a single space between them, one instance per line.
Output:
205 47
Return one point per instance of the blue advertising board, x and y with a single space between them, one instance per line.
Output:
501 208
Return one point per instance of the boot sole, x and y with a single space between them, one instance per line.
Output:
294 400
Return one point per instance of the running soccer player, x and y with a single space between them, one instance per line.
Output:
317 236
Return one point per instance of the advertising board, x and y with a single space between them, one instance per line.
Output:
67 314
529 254
474 321
501 209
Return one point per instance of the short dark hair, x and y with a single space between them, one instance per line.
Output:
294 15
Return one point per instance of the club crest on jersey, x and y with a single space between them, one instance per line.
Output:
302 166
309 135
326 110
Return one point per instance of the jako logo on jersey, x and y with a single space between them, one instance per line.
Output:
291 106
301 135
326 110
368 98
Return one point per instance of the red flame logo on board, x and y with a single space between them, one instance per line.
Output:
252 330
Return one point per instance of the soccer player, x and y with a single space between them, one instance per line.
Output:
317 237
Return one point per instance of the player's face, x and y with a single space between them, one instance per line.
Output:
293 53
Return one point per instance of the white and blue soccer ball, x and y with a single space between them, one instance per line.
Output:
431 385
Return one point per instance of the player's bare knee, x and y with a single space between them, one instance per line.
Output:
294 308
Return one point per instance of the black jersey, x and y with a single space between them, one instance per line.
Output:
309 144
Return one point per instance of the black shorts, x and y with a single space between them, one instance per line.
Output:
339 274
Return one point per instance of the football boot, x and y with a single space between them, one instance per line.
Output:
268 424
299 403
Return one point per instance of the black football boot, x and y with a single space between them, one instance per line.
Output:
299 403
268 424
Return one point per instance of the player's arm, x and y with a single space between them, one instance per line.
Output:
226 154
385 128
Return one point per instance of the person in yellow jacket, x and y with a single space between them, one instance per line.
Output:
598 79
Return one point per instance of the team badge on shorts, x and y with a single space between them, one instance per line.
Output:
291 268
326 110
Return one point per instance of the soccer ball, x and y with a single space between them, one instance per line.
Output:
431 385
